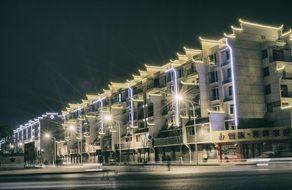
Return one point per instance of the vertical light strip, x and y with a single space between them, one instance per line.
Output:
26 133
233 84
101 108
39 128
176 101
101 111
130 95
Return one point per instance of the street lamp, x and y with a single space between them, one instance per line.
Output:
73 129
180 98
109 118
49 136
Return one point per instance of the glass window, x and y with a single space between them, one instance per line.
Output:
191 131
284 91
212 59
213 76
230 90
264 54
227 55
137 138
215 94
266 71
228 73
231 109
268 89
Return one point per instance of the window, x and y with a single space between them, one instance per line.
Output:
138 138
212 59
264 54
231 109
269 107
268 89
230 90
278 55
228 73
180 73
213 77
191 131
215 94
150 110
266 71
156 83
227 53
284 91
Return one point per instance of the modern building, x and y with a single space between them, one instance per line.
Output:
36 138
229 100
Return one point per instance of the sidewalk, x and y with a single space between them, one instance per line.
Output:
161 168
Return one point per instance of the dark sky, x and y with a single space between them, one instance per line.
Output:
53 52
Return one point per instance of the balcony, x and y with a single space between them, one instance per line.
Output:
168 141
226 99
73 151
227 80
226 62
200 138
126 145
280 58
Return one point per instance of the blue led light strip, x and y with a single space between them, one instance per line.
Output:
130 95
175 100
233 84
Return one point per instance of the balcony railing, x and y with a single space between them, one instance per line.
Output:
227 80
168 141
280 58
200 138
226 99
226 62
125 145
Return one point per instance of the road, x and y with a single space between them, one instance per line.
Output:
237 178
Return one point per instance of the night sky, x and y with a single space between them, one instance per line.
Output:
53 52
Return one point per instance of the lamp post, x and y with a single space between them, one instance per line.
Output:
180 98
109 118
73 129
49 136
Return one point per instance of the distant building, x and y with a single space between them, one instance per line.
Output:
34 131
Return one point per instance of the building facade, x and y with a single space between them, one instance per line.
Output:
228 100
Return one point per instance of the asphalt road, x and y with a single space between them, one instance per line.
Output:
265 178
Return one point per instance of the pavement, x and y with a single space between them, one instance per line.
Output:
221 177
161 168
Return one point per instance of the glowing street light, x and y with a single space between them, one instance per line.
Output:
49 136
180 98
109 118
72 128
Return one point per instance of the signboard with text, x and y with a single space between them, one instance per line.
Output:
276 133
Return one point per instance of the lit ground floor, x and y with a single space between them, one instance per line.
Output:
236 151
